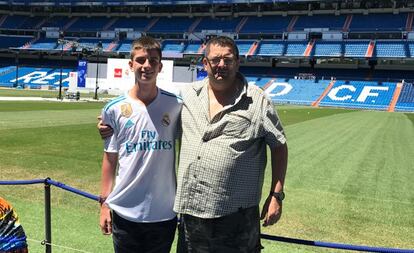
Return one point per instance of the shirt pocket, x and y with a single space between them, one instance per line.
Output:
237 125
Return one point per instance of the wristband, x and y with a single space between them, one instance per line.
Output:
280 196
102 200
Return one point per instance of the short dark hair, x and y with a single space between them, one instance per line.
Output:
146 43
222 41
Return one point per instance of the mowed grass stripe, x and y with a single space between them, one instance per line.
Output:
15 106
71 154
46 118
350 178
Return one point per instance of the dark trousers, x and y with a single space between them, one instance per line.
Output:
133 237
238 232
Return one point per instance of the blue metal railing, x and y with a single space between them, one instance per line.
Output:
48 236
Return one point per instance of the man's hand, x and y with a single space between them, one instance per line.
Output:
105 220
104 130
271 212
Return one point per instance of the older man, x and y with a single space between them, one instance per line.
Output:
226 125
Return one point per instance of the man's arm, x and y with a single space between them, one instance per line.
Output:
272 209
104 130
109 162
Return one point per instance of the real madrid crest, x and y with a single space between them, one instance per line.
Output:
166 120
126 110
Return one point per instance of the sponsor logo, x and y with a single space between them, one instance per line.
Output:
129 124
126 110
117 73
148 145
148 142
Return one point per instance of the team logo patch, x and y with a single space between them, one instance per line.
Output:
166 120
126 110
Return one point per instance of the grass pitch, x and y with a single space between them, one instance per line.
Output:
349 177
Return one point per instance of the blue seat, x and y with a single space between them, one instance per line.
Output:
173 46
192 47
172 25
44 44
135 23
327 48
34 77
356 48
244 46
7 41
296 48
405 102
390 49
378 22
271 48
322 22
360 94
224 24
265 24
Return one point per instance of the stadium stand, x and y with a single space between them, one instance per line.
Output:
193 47
173 46
265 25
323 22
181 25
355 48
360 94
43 44
405 102
271 48
378 22
296 91
296 48
136 23
411 48
391 49
33 78
7 42
125 46
87 24
56 21
328 48
309 45
244 46
225 24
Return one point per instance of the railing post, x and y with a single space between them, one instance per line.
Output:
48 220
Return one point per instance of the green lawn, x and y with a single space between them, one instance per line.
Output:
5 92
349 177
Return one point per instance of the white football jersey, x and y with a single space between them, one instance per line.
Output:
144 138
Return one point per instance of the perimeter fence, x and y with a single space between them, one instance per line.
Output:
47 242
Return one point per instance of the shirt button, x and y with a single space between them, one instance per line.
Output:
198 157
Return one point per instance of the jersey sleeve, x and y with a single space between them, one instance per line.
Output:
110 143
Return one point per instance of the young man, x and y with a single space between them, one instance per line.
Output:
226 126
137 207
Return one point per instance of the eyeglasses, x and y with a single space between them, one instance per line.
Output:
216 61
152 61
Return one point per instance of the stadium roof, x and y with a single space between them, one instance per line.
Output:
135 2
